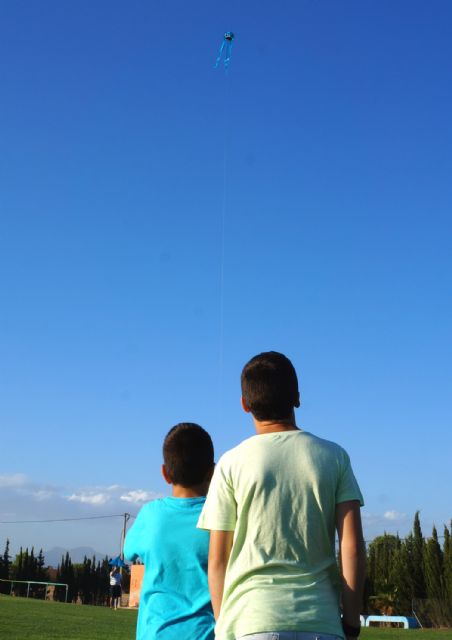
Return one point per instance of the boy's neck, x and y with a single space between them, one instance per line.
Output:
198 491
275 426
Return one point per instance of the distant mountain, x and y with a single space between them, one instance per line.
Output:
53 556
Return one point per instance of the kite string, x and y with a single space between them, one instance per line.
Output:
222 240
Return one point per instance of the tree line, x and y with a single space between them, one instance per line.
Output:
25 564
412 574
88 581
403 575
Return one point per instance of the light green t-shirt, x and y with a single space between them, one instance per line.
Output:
278 493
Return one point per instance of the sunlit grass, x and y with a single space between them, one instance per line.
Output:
22 619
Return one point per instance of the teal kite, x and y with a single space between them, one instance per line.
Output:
225 50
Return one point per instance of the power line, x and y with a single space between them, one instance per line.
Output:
115 515
121 515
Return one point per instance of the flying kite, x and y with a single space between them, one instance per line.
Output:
225 50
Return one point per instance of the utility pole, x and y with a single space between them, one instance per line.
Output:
123 537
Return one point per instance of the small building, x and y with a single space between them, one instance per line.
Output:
136 580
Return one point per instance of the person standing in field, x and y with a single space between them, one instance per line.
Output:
274 504
174 599
115 587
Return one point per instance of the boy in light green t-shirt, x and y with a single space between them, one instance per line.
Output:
273 507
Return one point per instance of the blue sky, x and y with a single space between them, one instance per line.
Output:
337 244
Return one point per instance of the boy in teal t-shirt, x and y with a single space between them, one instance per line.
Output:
174 600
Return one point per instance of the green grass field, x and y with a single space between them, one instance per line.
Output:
22 619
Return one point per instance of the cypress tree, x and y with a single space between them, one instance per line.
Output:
433 568
381 554
25 564
381 589
93 580
418 559
6 562
41 573
59 578
17 570
84 573
447 564
401 576
31 569
104 580
66 575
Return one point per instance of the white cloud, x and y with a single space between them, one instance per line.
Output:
114 495
138 496
394 516
390 521
89 498
13 480
23 499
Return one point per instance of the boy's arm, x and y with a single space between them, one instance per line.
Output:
129 549
353 560
133 542
219 552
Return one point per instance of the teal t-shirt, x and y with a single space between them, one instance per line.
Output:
278 493
174 600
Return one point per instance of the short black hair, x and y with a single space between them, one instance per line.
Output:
188 454
270 386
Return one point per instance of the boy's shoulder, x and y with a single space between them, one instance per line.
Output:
156 503
324 444
170 503
151 508
300 438
239 449
322 448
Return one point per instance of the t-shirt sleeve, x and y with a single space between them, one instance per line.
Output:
134 537
220 508
347 488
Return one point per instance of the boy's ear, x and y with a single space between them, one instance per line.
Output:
299 401
165 474
245 407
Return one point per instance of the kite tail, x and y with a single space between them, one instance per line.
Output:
220 53
228 54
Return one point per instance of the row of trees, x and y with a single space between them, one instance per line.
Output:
88 581
26 566
411 574
403 574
